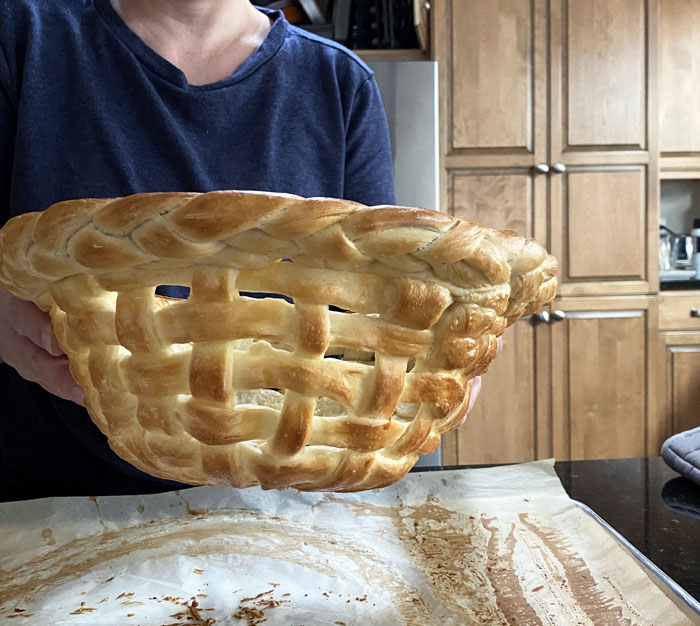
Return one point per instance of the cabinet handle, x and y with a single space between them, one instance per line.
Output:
559 168
541 168
694 312
543 317
558 316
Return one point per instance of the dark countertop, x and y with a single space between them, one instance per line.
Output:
680 285
636 496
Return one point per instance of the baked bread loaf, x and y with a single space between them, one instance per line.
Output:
226 389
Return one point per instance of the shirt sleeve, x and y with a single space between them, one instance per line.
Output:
8 124
369 177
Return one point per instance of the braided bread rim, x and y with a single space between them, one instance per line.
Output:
103 236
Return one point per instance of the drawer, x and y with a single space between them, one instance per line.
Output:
679 312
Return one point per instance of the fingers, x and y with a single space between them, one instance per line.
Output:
28 344
476 388
51 372
35 325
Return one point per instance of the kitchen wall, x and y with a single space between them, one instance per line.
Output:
680 203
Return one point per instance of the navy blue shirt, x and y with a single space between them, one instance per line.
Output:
87 109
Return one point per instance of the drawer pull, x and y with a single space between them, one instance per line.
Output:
694 312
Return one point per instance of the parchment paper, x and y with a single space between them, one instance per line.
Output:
489 546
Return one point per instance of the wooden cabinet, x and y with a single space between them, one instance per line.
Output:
679 88
562 92
503 198
599 53
679 144
679 310
549 128
600 221
679 383
498 56
603 401
492 60
580 386
504 423
604 208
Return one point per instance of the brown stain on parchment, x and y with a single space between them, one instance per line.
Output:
471 565
250 534
621 598
360 509
47 534
599 608
451 550
510 597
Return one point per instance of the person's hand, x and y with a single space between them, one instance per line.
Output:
28 344
476 389
476 381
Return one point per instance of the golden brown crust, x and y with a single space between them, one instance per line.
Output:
186 389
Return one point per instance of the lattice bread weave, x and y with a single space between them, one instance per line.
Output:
227 389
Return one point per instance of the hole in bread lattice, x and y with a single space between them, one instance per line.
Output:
274 399
351 355
261 295
175 292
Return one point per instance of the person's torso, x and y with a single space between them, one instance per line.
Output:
99 114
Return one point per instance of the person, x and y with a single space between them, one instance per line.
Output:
103 98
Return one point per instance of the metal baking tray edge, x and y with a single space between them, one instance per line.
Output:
665 578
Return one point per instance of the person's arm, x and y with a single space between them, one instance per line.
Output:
369 177
27 341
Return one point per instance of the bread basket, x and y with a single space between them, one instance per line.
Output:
390 313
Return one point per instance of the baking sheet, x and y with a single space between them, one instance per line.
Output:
653 569
501 545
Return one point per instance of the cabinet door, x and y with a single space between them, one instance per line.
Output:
492 59
601 370
503 427
600 227
599 55
682 381
502 198
679 76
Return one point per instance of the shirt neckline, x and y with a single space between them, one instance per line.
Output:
172 74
